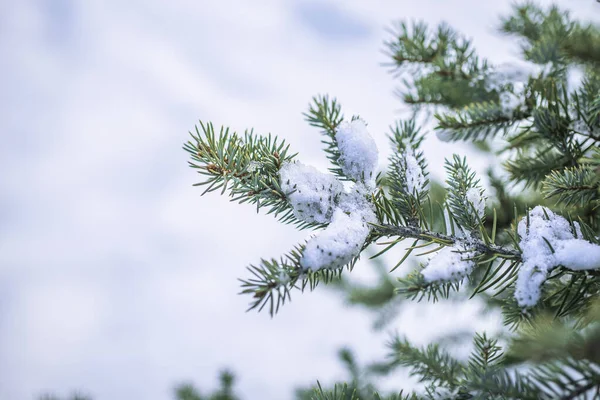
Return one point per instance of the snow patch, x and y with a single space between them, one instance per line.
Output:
415 180
547 242
452 263
355 202
338 244
318 197
311 193
358 151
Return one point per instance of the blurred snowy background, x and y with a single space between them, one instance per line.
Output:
115 276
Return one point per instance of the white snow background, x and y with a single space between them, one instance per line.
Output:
115 276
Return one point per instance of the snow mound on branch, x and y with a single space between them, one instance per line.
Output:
338 244
311 193
548 241
355 202
415 180
452 263
318 197
358 151
344 237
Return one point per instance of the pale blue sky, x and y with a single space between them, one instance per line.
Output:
115 276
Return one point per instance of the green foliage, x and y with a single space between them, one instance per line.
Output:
547 131
272 281
460 180
245 166
478 121
442 62
431 364
339 392
542 33
577 185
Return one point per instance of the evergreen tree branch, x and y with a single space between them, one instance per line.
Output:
478 121
245 166
326 114
478 245
430 364
407 178
572 185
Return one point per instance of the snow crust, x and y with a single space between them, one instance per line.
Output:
449 264
547 242
415 180
358 151
311 193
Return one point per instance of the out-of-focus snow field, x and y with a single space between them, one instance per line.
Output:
115 276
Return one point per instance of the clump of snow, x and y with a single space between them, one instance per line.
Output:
579 254
415 180
358 151
344 237
452 263
548 241
356 203
311 193
444 135
475 197
338 244
318 197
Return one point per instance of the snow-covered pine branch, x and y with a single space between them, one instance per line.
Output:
528 264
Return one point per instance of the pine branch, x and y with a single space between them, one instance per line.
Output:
417 44
245 166
339 392
478 121
430 364
461 183
478 245
414 287
408 171
572 186
567 380
273 280
542 32
533 169
583 44
445 68
326 115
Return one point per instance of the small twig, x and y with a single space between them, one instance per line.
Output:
417 233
